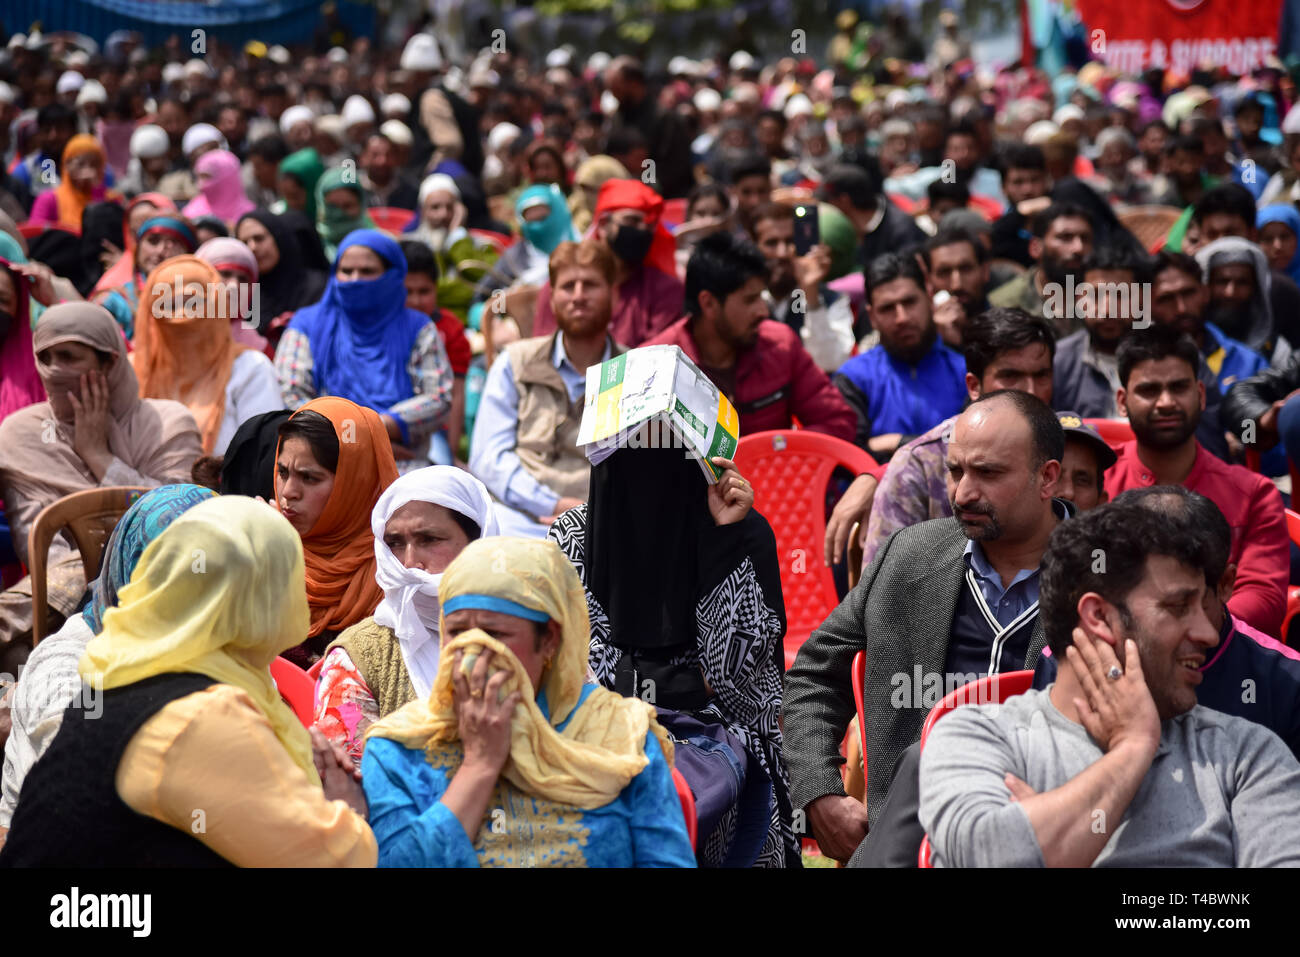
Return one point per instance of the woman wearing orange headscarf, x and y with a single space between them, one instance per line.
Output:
184 350
81 172
333 462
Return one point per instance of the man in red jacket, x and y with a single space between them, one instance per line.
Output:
760 364
1163 400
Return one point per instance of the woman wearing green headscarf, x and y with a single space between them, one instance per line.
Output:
299 175
340 207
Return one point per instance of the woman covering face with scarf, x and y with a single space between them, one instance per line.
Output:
420 524
340 208
581 776
94 430
221 190
191 718
362 343
81 182
184 351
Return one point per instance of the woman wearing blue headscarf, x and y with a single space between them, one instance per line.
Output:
544 223
1279 237
50 681
361 343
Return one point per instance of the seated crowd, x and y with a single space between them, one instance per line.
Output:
341 367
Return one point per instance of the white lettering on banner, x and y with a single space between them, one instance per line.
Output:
1238 54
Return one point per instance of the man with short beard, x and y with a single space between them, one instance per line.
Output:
1086 372
1114 764
524 447
1062 241
956 261
944 601
1164 401
911 381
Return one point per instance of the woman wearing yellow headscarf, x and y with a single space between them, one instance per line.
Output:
574 775
193 759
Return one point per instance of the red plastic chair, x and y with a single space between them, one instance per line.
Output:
789 470
499 241
688 804
1114 431
859 679
1292 592
991 689
392 219
297 690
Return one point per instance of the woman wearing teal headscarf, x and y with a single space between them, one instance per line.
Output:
544 222
340 208
299 174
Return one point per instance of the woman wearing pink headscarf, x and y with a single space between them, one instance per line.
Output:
238 268
221 191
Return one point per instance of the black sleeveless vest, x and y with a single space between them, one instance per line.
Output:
69 813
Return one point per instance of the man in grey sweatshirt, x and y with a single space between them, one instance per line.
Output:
1114 764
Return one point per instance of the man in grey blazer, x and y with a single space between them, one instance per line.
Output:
943 602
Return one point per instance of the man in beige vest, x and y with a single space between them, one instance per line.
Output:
524 447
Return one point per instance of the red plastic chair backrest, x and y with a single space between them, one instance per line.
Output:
298 690
499 241
991 689
1114 431
674 213
688 804
789 470
393 219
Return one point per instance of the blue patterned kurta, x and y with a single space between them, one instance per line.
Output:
642 827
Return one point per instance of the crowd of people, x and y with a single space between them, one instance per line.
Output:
332 314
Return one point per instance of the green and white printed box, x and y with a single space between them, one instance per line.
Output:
657 383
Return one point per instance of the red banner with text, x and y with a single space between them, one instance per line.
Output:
1135 35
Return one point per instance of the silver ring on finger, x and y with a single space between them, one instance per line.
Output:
1115 673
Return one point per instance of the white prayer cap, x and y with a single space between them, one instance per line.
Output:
77 58
608 103
92 91
397 132
1066 113
421 54
438 183
278 54
598 61
708 100
337 55
1040 132
70 82
149 141
395 104
798 105
173 72
6 93
200 134
295 115
357 109
741 60
560 57
501 136
197 67
331 125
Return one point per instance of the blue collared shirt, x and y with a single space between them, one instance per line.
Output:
1007 603
492 448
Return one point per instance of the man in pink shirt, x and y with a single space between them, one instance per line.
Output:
1163 400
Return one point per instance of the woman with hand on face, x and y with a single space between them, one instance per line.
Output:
361 342
333 463
513 760
192 759
94 430
184 350
684 593
421 522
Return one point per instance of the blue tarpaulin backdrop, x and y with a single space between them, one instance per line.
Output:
232 21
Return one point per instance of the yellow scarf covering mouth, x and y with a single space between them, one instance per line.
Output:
600 750
219 593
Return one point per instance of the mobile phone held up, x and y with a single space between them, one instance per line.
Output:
807 233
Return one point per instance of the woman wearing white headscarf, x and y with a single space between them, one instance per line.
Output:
420 523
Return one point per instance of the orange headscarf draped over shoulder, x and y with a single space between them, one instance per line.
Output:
340 548
72 201
184 349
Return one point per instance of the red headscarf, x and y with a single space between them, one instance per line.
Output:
633 194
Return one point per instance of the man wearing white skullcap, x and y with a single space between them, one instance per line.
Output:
148 165
173 73
439 195
421 54
199 139
296 126
358 119
70 82
92 93
395 106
